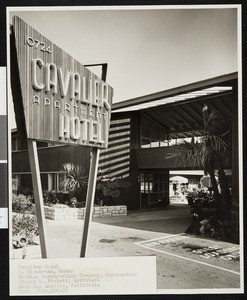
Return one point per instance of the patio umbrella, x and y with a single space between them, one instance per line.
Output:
178 179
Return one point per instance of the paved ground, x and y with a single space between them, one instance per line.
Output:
173 219
182 261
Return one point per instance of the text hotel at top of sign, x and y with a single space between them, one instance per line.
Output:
87 96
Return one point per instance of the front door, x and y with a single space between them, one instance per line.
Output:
154 189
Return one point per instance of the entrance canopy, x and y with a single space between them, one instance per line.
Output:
179 110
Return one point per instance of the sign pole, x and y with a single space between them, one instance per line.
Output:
90 198
38 196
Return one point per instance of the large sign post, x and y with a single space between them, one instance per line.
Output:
60 101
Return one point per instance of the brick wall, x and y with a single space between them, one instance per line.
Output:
69 213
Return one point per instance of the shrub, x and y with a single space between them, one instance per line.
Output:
26 191
22 204
200 198
80 204
108 189
55 197
50 198
25 225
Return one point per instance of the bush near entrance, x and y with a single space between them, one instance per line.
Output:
108 189
205 218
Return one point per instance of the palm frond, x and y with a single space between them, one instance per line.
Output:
74 177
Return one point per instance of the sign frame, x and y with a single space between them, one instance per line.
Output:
21 121
62 100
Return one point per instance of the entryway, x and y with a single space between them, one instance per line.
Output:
154 189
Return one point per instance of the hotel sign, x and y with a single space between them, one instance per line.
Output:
63 102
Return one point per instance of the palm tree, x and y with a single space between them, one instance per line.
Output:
212 155
216 157
74 180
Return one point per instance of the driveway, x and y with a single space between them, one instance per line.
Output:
173 219
183 261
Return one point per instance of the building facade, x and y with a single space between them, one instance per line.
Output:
147 136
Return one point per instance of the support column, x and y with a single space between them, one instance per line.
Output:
90 199
38 195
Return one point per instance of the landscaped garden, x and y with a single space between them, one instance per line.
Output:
69 204
205 217
214 213
24 222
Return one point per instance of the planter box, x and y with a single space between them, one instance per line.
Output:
71 213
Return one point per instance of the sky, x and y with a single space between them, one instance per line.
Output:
147 50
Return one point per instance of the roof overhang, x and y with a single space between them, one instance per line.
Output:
180 110
205 88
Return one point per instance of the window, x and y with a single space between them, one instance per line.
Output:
54 182
179 141
44 181
14 143
154 188
152 134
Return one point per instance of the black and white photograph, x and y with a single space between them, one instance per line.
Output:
125 145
